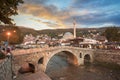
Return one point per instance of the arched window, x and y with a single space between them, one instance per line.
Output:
80 55
41 60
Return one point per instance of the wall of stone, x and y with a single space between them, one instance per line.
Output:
5 69
109 56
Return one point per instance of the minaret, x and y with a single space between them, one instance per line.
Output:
74 24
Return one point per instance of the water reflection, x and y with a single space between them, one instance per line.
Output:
59 69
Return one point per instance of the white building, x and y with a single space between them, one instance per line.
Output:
29 39
90 41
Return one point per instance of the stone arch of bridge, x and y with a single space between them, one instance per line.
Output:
87 58
72 58
26 67
40 61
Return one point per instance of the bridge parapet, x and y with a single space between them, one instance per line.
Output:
37 50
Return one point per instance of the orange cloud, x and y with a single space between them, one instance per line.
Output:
45 12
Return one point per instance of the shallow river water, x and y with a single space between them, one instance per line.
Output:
59 69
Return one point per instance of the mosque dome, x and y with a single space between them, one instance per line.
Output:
68 35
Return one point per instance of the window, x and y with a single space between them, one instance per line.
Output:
80 55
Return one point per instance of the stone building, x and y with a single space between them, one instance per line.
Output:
29 39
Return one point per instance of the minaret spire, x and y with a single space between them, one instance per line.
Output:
74 24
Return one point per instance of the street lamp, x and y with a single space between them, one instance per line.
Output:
14 31
8 36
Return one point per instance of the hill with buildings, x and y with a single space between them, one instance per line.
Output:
22 31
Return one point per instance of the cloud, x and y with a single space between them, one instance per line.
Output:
43 11
95 18
50 23
93 4
35 10
86 12
94 12
46 12
36 20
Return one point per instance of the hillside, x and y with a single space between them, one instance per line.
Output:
22 31
25 30
62 31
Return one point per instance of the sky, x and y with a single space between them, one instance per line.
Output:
60 14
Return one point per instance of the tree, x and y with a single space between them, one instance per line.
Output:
52 35
112 34
7 9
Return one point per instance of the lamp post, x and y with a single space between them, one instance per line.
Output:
8 36
14 31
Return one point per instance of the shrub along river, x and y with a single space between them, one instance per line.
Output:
58 68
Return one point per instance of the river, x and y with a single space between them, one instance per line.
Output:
59 69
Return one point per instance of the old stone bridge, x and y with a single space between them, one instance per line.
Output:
39 57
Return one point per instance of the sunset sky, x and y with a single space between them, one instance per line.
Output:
54 14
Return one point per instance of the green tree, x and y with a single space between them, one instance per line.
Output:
79 34
7 9
52 35
112 34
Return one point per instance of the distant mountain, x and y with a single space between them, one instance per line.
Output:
25 30
59 31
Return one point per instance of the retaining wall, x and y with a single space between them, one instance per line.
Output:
109 56
5 69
